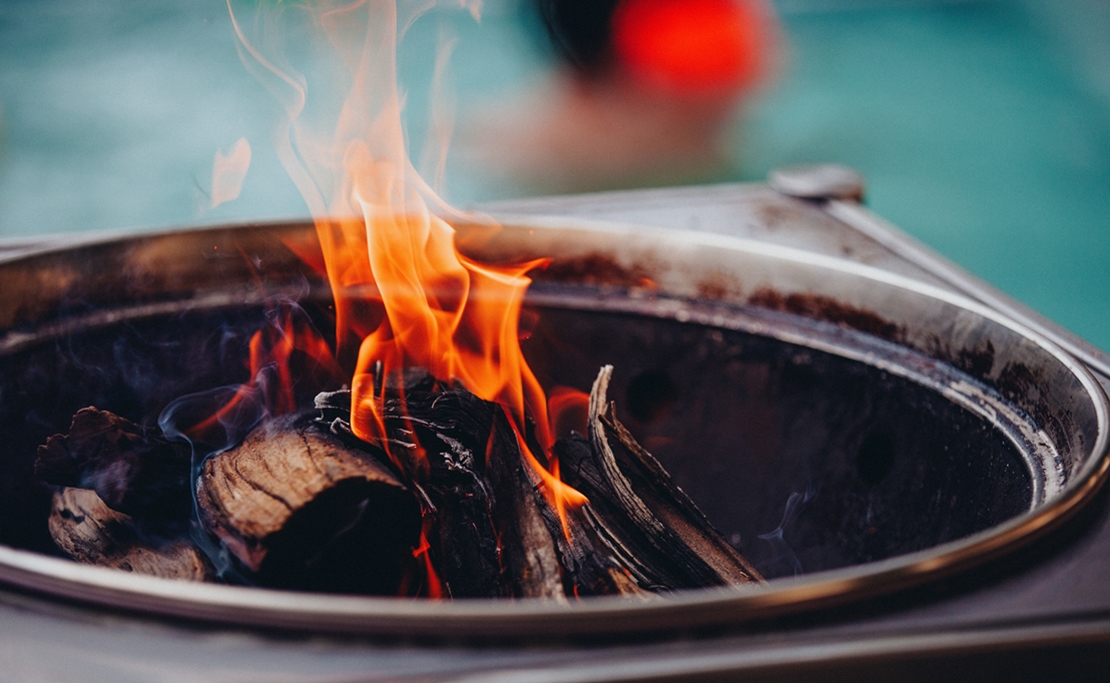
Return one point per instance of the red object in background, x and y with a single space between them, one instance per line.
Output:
693 46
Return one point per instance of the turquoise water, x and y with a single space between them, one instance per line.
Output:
982 127
980 130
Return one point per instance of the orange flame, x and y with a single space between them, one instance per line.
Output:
433 586
403 292
272 349
570 409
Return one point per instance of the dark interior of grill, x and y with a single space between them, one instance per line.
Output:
803 459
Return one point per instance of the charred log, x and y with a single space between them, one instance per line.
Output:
488 537
132 469
494 532
532 561
90 532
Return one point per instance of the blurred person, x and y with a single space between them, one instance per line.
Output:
646 93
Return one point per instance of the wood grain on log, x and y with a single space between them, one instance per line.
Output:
301 509
594 562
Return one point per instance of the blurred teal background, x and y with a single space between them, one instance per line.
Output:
983 127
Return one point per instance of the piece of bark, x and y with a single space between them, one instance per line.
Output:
90 532
594 563
642 522
301 509
673 507
133 470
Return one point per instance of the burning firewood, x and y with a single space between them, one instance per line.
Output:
497 535
533 561
443 503
488 537
90 532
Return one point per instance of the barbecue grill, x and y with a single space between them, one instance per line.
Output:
921 487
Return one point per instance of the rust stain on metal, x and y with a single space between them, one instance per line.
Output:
1023 385
828 309
775 216
780 215
718 287
596 269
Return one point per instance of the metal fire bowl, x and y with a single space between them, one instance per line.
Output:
1046 403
